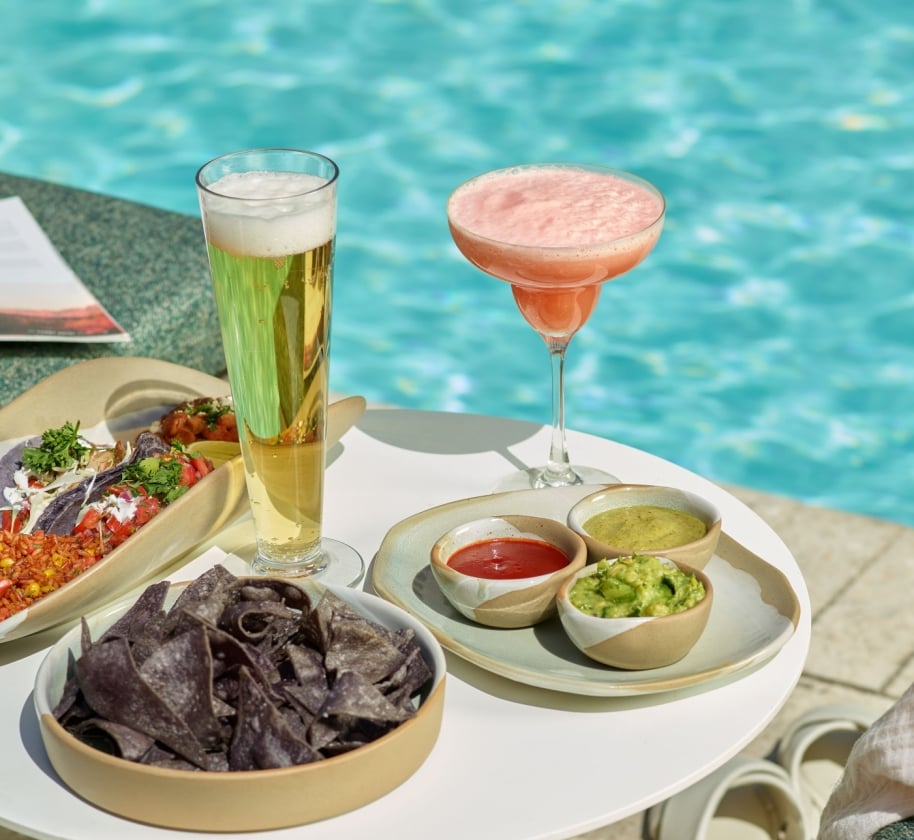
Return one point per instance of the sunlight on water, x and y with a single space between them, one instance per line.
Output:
766 341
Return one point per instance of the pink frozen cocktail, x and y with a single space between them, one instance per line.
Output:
556 232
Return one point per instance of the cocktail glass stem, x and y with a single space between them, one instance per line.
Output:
558 472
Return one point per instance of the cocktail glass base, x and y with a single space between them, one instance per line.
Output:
535 478
339 564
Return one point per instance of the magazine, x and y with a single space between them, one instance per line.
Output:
41 298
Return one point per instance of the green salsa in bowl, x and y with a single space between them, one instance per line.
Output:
625 519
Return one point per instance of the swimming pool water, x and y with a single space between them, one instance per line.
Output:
768 339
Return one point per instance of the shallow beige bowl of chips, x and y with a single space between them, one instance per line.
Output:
242 800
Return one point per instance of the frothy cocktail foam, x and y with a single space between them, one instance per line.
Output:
269 214
553 207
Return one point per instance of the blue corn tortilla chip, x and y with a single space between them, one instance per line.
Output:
404 683
266 624
263 739
129 743
204 598
354 696
231 654
180 671
309 685
113 688
355 644
134 623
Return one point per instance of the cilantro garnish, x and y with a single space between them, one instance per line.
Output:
159 477
211 410
60 449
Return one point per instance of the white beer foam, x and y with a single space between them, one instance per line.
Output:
269 214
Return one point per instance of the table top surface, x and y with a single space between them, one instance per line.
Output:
534 763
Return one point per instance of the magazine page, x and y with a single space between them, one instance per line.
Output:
41 298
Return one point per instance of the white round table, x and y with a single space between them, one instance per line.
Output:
512 762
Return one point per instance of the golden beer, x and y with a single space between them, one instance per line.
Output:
271 262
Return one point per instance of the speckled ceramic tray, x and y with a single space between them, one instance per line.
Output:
115 397
755 608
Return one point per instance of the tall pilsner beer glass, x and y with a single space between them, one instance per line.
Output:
269 217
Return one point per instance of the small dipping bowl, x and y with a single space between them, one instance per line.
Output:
507 602
635 643
696 552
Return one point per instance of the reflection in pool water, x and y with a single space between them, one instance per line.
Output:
765 342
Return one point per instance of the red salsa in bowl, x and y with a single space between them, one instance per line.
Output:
508 558
505 571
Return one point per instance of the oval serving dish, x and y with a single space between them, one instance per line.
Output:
123 395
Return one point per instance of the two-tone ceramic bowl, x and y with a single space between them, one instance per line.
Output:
505 571
624 519
649 637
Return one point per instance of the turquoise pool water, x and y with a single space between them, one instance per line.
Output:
766 342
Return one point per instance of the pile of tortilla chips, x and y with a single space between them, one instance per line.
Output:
240 674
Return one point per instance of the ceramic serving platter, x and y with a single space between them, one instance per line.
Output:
114 398
755 609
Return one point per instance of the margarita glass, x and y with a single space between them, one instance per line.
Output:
556 232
